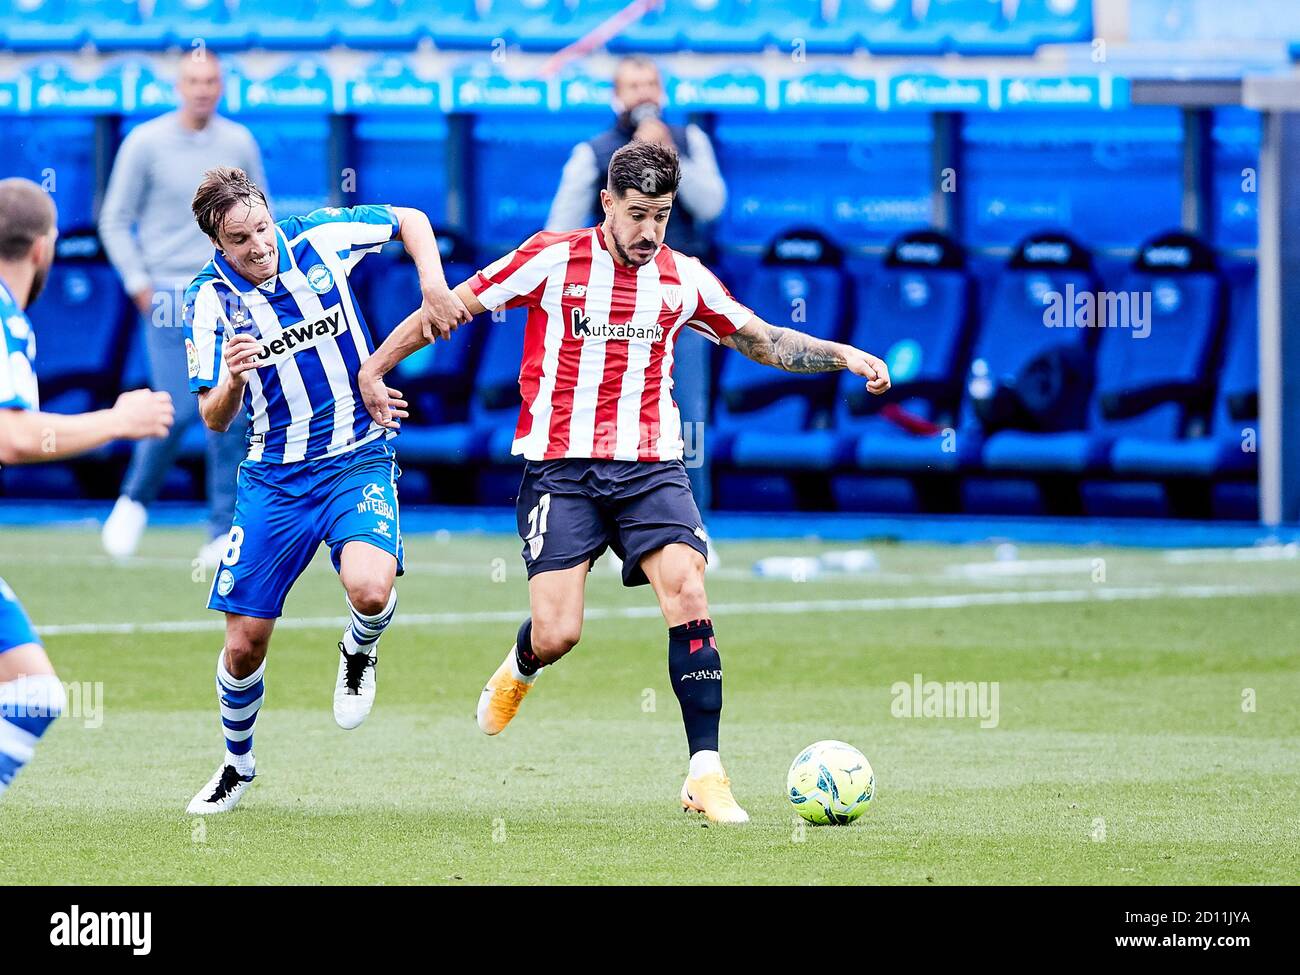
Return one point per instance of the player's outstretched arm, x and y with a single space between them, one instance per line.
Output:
440 310
385 404
795 351
29 437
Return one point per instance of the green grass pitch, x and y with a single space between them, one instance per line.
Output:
1148 728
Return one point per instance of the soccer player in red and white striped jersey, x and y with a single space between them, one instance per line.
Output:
602 438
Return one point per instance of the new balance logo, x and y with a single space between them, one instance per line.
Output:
584 328
575 291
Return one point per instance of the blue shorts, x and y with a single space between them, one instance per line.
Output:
15 628
284 511
572 510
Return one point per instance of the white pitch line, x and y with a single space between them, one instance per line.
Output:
793 607
1256 553
465 569
1022 567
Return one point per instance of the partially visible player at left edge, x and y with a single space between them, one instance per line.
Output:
31 696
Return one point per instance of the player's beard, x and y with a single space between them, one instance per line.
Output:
635 260
39 277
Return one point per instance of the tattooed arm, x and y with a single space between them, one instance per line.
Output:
795 351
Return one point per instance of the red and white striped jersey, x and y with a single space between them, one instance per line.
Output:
596 375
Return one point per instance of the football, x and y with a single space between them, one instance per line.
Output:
830 783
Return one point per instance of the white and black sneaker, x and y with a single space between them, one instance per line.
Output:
354 691
221 794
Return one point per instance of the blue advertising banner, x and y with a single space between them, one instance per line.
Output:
55 90
304 85
726 90
583 92
483 92
827 90
1078 91
390 85
932 92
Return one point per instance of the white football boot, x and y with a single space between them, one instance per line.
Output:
221 794
122 530
354 690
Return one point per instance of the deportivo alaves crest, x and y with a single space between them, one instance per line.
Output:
583 327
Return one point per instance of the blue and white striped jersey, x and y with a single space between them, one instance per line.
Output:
17 356
303 401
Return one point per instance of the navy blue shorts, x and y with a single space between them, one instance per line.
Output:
572 510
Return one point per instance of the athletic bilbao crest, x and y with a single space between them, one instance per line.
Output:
672 295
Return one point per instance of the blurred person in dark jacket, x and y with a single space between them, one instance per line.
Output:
638 102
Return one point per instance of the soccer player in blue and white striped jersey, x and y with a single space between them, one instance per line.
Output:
272 327
31 696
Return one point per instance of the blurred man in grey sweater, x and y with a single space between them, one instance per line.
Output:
157 248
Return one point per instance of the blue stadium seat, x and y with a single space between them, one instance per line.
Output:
697 25
456 24
1147 384
660 29
488 431
534 25
437 379
401 158
1011 334
819 28
510 201
1026 25
915 314
1053 21
871 176
739 26
295 150
109 24
180 22
371 23
761 415
79 324
885 27
41 147
957 20
293 26
41 25
1227 448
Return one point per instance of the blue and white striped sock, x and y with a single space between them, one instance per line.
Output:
365 631
240 698
28 706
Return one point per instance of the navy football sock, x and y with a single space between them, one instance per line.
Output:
527 661
696 672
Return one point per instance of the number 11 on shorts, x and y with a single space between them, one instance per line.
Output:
537 525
